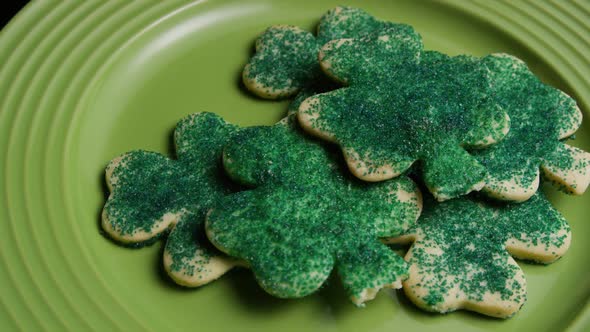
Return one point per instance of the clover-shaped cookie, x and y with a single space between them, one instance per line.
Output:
540 116
461 256
403 105
286 57
305 215
151 194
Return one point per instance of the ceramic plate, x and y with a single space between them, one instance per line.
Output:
84 81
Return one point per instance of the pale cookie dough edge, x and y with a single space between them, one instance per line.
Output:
510 190
574 181
263 91
215 268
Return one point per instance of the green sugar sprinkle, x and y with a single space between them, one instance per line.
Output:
461 244
538 113
186 239
306 215
349 22
286 57
147 185
404 105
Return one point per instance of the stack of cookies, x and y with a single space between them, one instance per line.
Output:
384 142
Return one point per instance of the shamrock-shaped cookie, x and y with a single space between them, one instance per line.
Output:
286 57
306 215
461 257
540 116
403 105
151 194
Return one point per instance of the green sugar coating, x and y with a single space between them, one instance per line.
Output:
404 105
306 215
348 22
147 185
286 57
460 249
539 115
373 57
188 246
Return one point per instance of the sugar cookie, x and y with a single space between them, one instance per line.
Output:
286 57
402 105
541 117
461 253
151 194
305 216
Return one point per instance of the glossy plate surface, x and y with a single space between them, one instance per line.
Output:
83 81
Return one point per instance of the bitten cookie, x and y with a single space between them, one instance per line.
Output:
151 194
403 105
541 116
286 57
461 253
305 216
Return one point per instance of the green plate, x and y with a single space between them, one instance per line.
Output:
83 81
